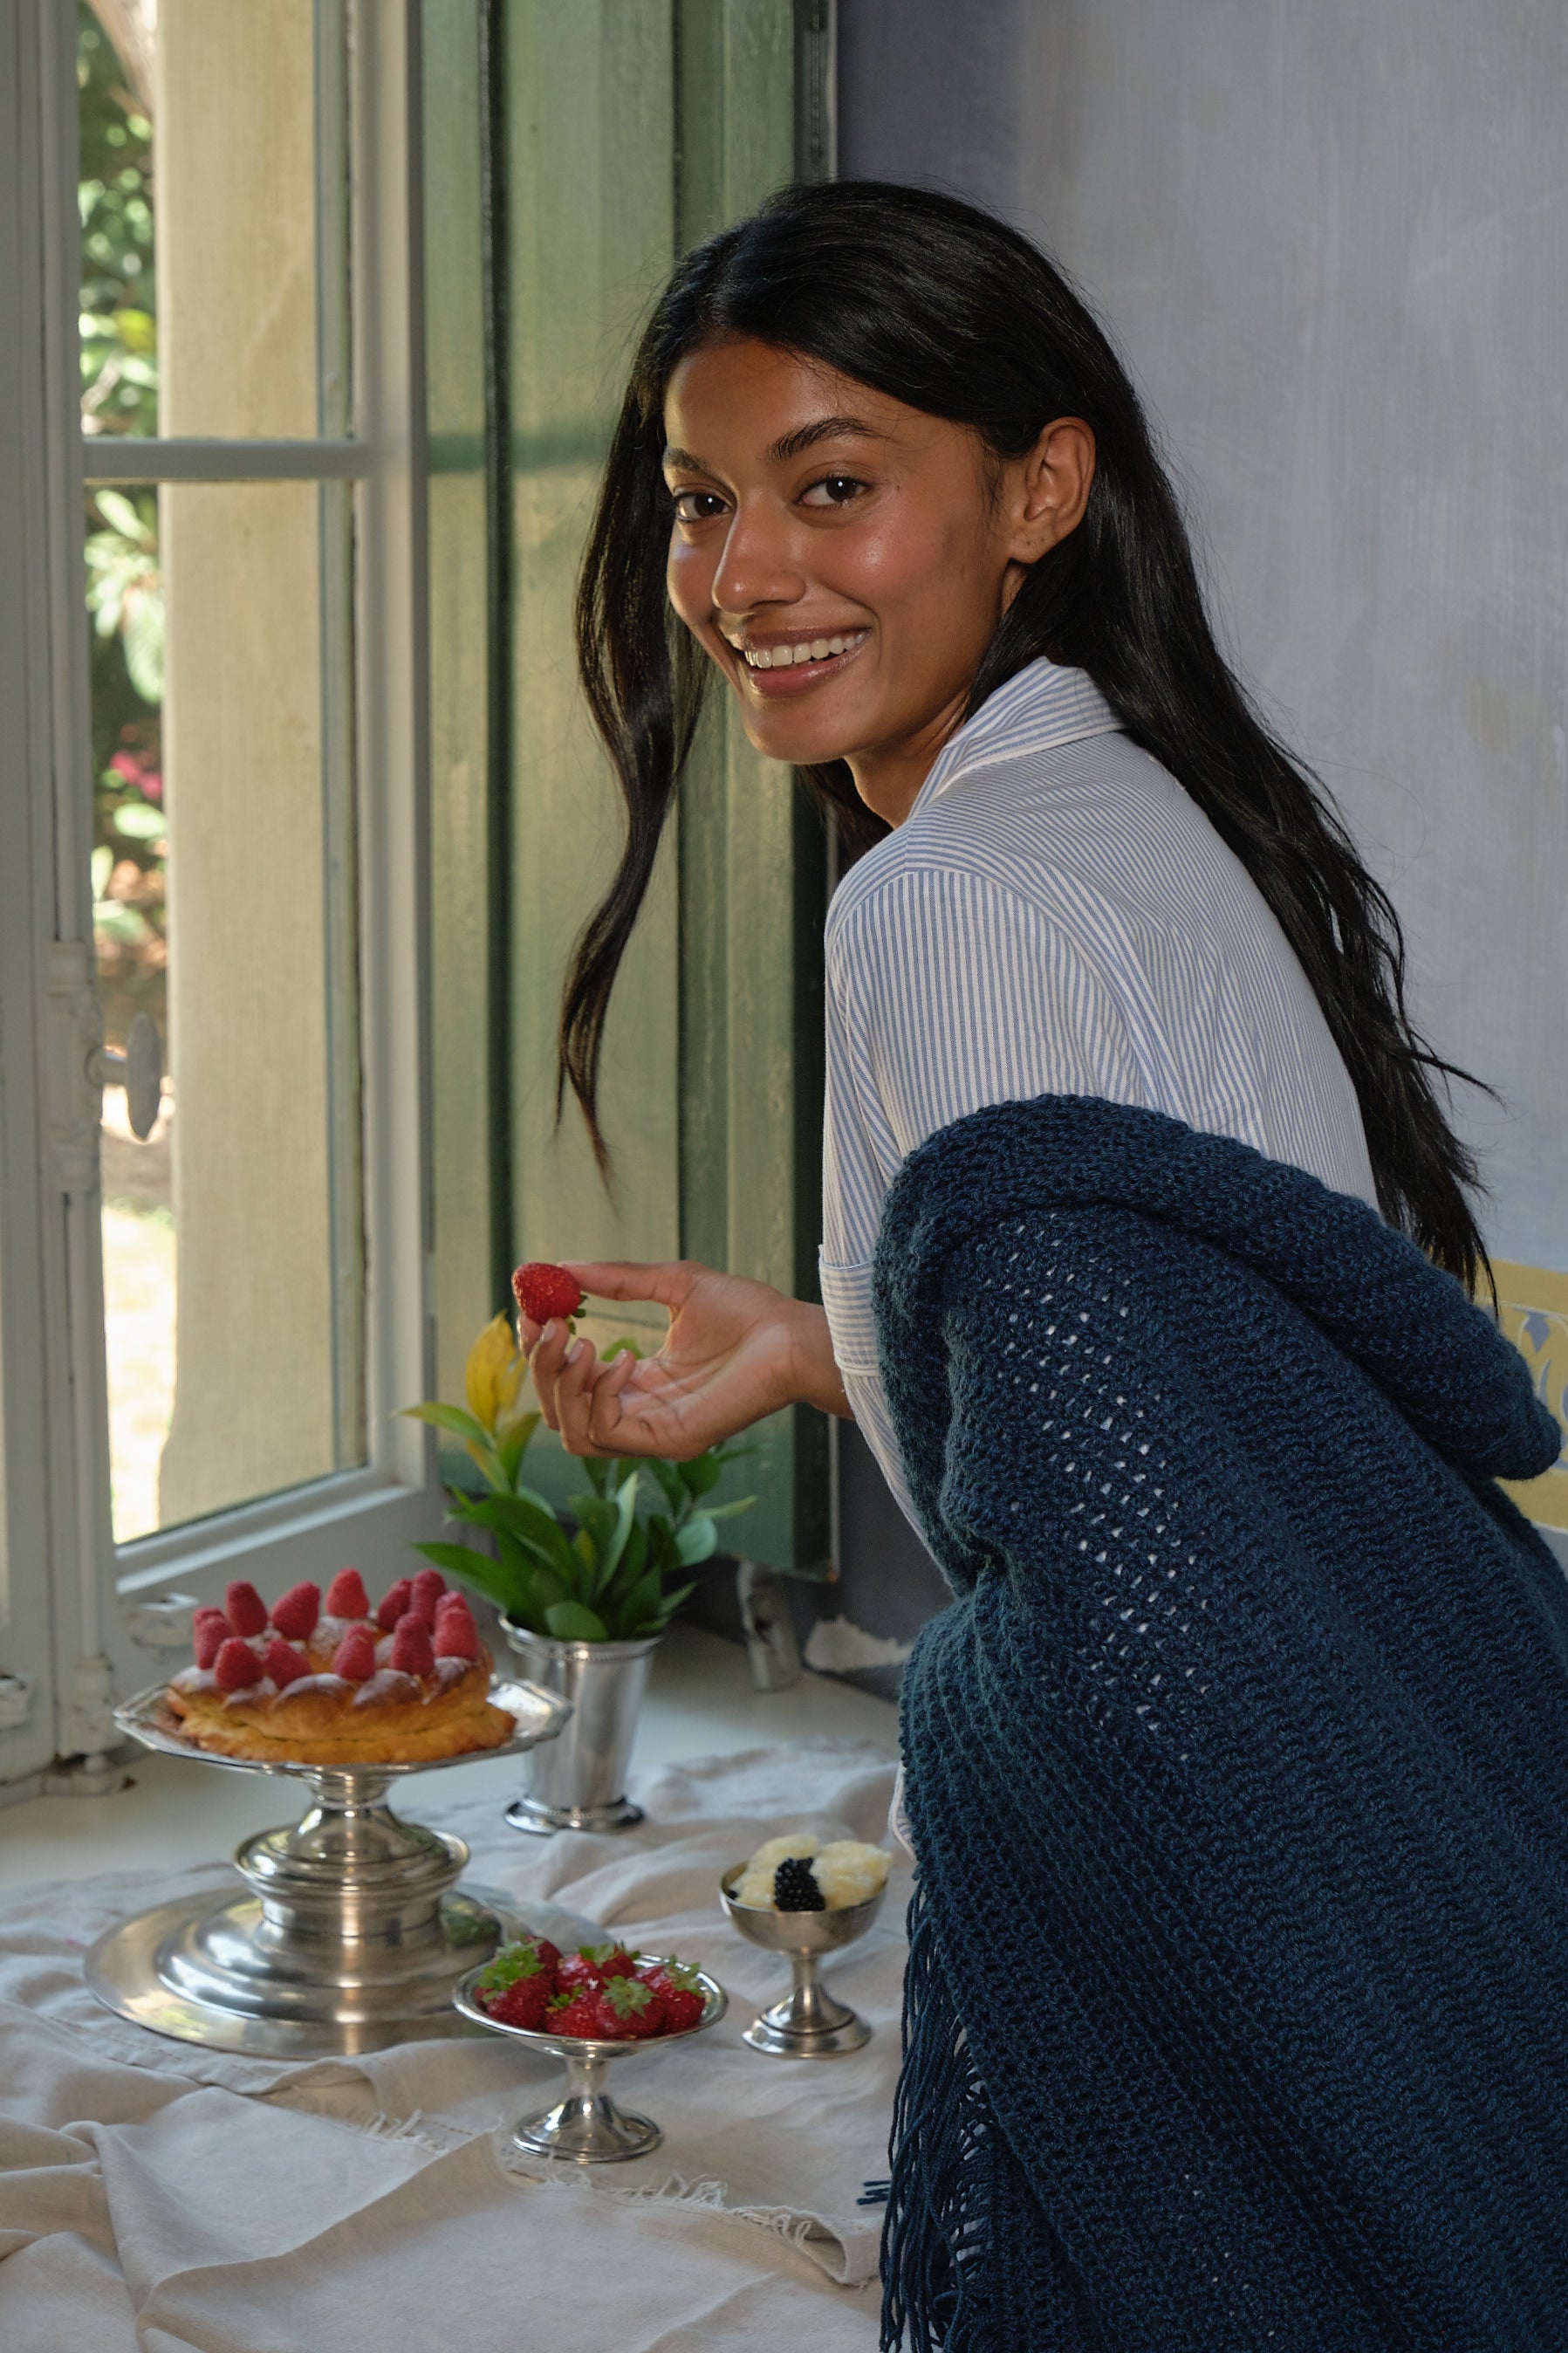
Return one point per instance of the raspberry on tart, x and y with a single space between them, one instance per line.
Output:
243 1609
412 1653
430 1589
396 1604
346 1595
294 1615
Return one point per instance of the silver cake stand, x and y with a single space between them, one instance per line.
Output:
351 1935
809 2023
585 2127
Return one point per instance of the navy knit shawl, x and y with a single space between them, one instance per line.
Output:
1236 2012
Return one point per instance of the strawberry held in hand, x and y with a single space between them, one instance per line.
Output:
543 1291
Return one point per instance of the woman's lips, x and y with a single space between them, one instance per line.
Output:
778 684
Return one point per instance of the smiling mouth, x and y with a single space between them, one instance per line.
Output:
800 653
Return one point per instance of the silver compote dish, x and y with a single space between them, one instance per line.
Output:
352 1935
587 2126
809 2023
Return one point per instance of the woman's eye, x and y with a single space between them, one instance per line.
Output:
697 506
833 490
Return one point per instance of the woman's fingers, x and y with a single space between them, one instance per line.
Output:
573 1397
666 1283
546 1355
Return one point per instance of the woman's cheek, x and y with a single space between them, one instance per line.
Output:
688 579
906 560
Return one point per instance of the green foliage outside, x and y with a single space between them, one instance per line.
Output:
124 584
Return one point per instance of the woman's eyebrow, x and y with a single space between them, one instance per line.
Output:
825 428
804 436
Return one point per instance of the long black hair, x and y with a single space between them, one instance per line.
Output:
939 305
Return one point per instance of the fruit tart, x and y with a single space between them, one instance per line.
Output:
339 1683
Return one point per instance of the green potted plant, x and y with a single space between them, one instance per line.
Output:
584 1595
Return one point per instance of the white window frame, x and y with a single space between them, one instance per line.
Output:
95 1598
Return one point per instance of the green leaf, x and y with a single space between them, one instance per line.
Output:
699 1540
547 1588
659 1620
598 1471
487 1577
703 1471
139 821
639 1604
574 1621
510 1449
142 629
626 1517
662 1551
670 1479
490 1466
729 1510
457 1558
531 1520
531 1495
521 1565
452 1417
597 1516
119 515
629 1569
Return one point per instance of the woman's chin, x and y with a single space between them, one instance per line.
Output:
796 735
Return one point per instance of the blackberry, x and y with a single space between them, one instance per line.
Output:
795 1888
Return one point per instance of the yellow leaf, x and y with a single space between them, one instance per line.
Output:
493 1373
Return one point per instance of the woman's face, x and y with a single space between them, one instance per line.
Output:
844 559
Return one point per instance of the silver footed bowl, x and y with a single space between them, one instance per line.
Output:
586 2128
350 1931
808 2024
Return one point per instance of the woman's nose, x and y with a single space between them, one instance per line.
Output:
757 565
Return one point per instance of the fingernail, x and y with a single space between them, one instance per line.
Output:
575 1351
548 1332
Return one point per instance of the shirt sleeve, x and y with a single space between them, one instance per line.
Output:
954 993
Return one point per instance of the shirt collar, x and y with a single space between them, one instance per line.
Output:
1041 706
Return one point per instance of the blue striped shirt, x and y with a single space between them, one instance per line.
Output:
1055 915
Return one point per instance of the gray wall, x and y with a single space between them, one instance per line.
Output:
1331 239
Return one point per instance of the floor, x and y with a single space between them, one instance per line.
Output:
701 1700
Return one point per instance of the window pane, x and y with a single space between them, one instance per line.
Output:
212 212
223 883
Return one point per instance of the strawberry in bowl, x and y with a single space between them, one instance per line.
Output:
588 2006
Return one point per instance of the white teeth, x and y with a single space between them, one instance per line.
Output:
787 656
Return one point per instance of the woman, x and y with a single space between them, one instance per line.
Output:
1236 1772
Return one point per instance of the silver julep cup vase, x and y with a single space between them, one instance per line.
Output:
578 1781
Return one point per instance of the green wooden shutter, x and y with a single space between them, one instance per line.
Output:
611 134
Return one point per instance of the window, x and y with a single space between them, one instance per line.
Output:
295 732
221 798
218 412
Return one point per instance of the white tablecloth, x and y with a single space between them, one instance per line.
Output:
155 2195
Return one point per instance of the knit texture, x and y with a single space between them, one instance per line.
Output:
1237 2011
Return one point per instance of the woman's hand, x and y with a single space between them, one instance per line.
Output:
735 1351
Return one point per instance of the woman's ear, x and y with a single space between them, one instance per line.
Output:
1047 490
